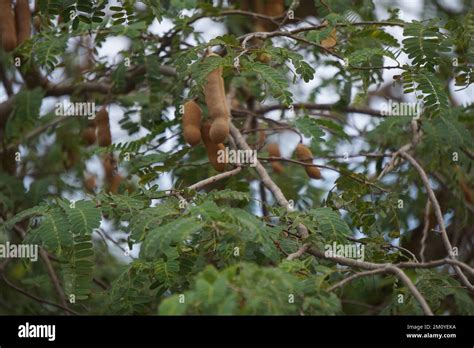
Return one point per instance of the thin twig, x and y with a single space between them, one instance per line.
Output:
426 228
197 186
297 254
34 297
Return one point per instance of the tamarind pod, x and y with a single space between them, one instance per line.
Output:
71 158
466 190
115 183
219 130
274 8
212 149
303 154
102 116
109 166
274 151
90 183
271 8
7 26
22 21
88 135
33 78
313 172
215 96
331 40
278 167
37 23
192 123
103 128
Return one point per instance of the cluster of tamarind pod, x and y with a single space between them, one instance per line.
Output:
214 134
15 24
303 154
98 131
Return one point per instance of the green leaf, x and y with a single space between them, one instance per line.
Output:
55 231
84 217
161 237
330 223
309 127
26 112
275 80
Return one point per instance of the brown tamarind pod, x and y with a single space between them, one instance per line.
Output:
37 23
88 135
109 164
192 123
219 130
103 127
22 21
70 158
212 149
115 183
303 154
7 26
274 8
214 93
274 151
466 190
271 8
90 183
331 40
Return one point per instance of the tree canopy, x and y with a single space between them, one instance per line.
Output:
347 181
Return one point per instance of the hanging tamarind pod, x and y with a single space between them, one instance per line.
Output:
274 151
192 123
303 154
7 26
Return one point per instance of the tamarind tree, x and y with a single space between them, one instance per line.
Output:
355 198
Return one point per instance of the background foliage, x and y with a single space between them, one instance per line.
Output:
138 249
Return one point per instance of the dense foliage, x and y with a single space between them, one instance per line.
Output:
162 239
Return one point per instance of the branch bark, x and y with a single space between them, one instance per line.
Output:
439 216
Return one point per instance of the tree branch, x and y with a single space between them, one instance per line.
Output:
375 266
197 186
267 181
438 214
